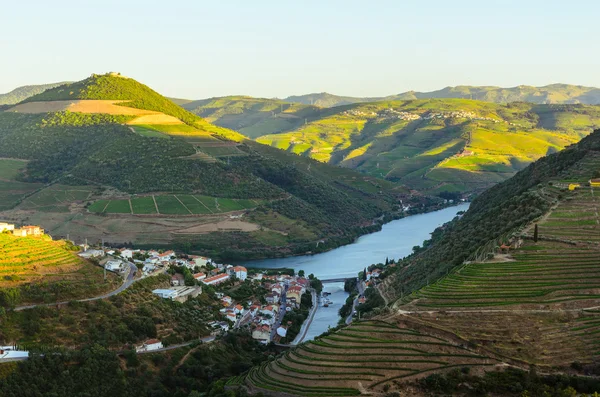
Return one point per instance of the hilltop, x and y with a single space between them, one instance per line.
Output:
134 167
429 145
549 94
21 93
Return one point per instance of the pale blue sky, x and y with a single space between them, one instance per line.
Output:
197 49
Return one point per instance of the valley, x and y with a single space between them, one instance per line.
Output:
432 146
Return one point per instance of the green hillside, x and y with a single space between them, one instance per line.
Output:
549 94
21 93
501 212
166 169
253 117
433 145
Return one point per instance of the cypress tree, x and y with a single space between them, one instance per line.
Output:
535 233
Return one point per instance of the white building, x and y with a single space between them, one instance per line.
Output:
165 293
9 353
6 226
240 272
91 253
127 253
149 345
114 266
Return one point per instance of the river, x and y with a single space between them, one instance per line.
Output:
394 240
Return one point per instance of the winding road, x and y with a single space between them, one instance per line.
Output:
128 280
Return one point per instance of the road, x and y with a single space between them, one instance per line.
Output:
128 280
280 314
302 334
361 290
206 339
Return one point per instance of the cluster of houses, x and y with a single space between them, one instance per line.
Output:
284 294
390 113
24 231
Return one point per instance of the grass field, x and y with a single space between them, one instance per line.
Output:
367 355
181 204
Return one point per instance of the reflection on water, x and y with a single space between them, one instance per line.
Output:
327 316
395 240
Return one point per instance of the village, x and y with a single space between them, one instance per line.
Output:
263 298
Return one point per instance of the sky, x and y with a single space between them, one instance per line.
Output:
197 49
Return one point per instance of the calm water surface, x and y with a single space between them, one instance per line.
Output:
395 240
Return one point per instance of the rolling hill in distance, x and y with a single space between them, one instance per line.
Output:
109 157
429 145
21 93
549 94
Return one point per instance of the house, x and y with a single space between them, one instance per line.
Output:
214 280
238 309
294 292
573 186
240 272
165 293
227 300
376 273
33 230
127 253
6 227
231 317
177 279
114 266
19 232
166 255
262 333
149 345
595 182
272 297
199 276
91 253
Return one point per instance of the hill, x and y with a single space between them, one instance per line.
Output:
37 269
136 168
21 93
549 94
433 145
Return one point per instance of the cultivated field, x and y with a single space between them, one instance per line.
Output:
362 358
96 106
180 204
48 268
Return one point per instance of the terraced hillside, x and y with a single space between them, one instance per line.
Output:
433 145
44 270
108 145
363 358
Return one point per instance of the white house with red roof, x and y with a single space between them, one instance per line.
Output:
240 272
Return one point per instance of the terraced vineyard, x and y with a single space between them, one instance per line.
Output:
56 198
550 274
575 219
367 355
551 271
180 204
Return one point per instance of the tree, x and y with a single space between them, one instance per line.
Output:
387 261
535 233
311 276
300 273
